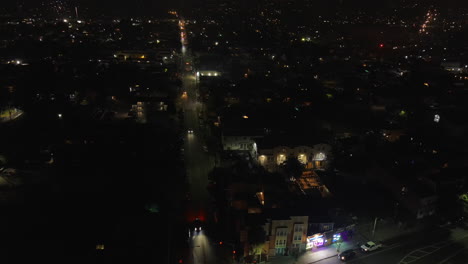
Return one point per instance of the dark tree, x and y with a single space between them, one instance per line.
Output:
257 235
292 168
256 238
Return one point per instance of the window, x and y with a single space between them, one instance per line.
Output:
280 159
298 228
281 232
302 158
320 156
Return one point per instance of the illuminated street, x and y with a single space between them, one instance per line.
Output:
437 246
202 250
198 162
234 132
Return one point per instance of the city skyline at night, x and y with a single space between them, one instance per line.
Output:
234 132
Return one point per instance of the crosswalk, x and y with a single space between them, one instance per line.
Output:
422 252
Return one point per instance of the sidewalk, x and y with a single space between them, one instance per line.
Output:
386 231
311 256
318 254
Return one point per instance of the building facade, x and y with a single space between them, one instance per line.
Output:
241 143
286 236
315 157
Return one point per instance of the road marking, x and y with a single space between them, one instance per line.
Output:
420 252
451 256
438 246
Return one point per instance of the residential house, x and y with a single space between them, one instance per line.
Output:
313 157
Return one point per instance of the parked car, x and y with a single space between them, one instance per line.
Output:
370 246
346 255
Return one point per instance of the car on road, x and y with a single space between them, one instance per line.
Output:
370 246
190 131
346 255
197 225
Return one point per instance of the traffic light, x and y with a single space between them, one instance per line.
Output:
220 242
181 261
381 45
233 252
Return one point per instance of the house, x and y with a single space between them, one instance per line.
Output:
232 141
317 156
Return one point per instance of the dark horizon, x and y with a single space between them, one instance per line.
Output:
234 131
150 7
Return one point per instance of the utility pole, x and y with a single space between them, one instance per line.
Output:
375 225
169 240
76 12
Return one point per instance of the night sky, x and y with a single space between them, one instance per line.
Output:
155 7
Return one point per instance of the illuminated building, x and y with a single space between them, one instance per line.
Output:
315 157
286 234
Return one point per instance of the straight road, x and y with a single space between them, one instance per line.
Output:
440 246
198 162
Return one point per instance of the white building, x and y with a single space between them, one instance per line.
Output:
241 143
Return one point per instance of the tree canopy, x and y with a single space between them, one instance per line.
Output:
292 168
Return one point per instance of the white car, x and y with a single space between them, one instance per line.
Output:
370 246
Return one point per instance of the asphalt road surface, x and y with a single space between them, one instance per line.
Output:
442 246
198 163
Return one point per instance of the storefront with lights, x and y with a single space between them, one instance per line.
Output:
315 241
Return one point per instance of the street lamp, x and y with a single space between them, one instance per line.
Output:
375 225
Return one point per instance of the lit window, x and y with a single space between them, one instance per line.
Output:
302 158
100 247
281 158
320 156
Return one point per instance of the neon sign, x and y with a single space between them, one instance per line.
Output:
336 238
316 240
